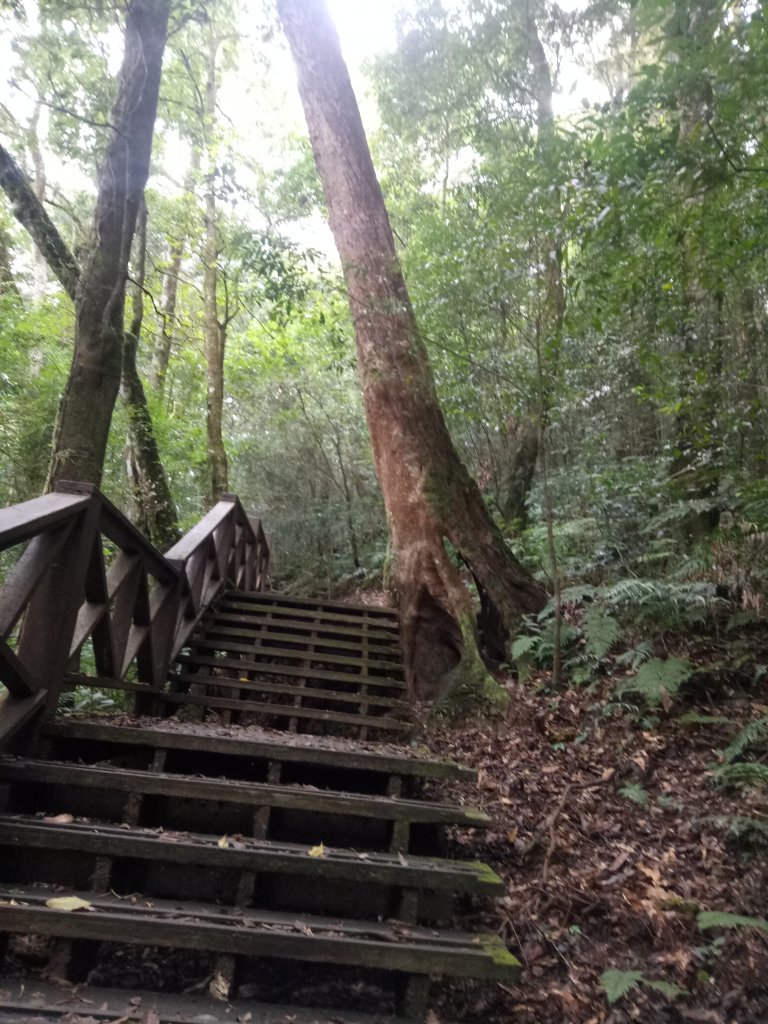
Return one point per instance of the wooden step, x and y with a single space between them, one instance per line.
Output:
293 671
29 1001
356 721
314 693
253 933
57 774
258 618
251 855
260 650
207 629
328 754
371 611
318 618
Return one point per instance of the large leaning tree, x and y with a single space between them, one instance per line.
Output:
429 495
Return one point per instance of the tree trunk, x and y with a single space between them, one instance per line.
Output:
429 496
215 331
85 413
518 459
155 512
161 354
31 214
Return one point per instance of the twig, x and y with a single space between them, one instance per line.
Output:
552 822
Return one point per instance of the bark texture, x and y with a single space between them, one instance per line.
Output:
31 214
429 496
85 413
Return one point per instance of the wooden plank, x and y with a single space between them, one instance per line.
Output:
21 522
208 628
220 615
304 656
14 674
268 750
319 617
313 602
14 713
280 711
45 1003
256 794
290 670
201 532
25 575
261 933
121 531
252 854
314 693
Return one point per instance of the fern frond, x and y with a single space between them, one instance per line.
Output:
754 734
745 773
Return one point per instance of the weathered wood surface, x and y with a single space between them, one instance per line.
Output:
251 854
247 685
267 750
45 1003
321 657
298 672
136 612
255 794
312 939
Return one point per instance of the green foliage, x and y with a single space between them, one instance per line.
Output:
636 793
617 984
657 679
602 631
718 919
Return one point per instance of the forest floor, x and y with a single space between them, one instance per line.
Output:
612 837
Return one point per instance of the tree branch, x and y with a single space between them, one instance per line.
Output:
30 213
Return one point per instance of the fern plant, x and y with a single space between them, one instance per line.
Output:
736 771
658 679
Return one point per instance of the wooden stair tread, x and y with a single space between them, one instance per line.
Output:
320 751
257 617
248 706
253 665
250 854
387 945
287 711
317 616
207 627
257 794
260 650
279 616
23 1000
286 689
269 597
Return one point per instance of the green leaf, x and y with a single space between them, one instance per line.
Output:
657 676
602 632
667 988
719 919
522 646
616 984
635 792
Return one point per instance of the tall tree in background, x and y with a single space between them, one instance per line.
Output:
85 414
429 496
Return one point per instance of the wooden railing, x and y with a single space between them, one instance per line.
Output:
89 586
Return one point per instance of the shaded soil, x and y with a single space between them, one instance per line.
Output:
601 879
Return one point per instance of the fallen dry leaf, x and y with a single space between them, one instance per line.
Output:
68 903
316 851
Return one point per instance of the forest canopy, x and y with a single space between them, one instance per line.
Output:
577 195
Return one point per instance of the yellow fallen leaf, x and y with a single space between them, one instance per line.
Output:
68 903
223 842
317 851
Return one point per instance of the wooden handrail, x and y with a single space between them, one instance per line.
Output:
137 612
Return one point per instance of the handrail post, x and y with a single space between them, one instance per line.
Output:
52 612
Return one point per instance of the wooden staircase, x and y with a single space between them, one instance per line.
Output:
252 836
